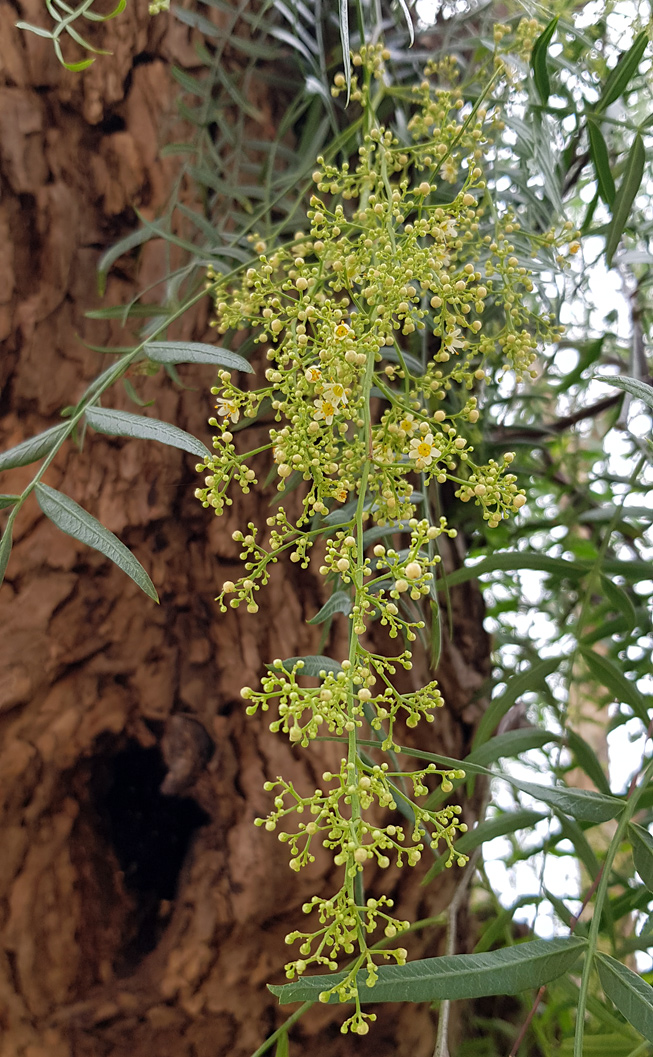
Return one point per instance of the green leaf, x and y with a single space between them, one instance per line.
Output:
512 743
33 449
581 804
625 196
340 602
72 519
499 826
124 245
313 665
518 685
343 10
605 672
587 759
5 550
504 972
640 390
283 1049
632 996
619 598
601 162
573 832
642 843
130 311
513 561
8 500
539 63
196 352
123 424
619 77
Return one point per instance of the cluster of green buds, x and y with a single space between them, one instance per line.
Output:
377 324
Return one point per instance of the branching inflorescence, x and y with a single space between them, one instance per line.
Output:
379 323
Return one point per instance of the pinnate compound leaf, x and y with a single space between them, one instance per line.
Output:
124 424
72 519
504 972
33 449
340 602
539 63
196 352
632 996
642 843
313 665
621 75
607 674
625 196
601 162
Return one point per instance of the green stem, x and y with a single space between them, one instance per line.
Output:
592 940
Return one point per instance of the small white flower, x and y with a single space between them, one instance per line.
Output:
449 171
453 341
324 410
423 450
312 374
448 228
335 393
342 330
409 424
228 408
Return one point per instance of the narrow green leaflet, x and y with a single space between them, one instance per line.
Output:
605 672
621 75
313 665
5 550
619 598
33 449
499 826
582 804
587 759
512 743
513 561
343 11
642 843
638 389
124 424
129 242
574 833
72 519
518 685
504 972
601 162
539 63
632 996
625 196
340 602
283 1049
8 500
195 352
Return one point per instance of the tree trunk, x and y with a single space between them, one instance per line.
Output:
141 913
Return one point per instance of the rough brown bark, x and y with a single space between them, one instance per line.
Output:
103 951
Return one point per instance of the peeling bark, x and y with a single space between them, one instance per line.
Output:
104 951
